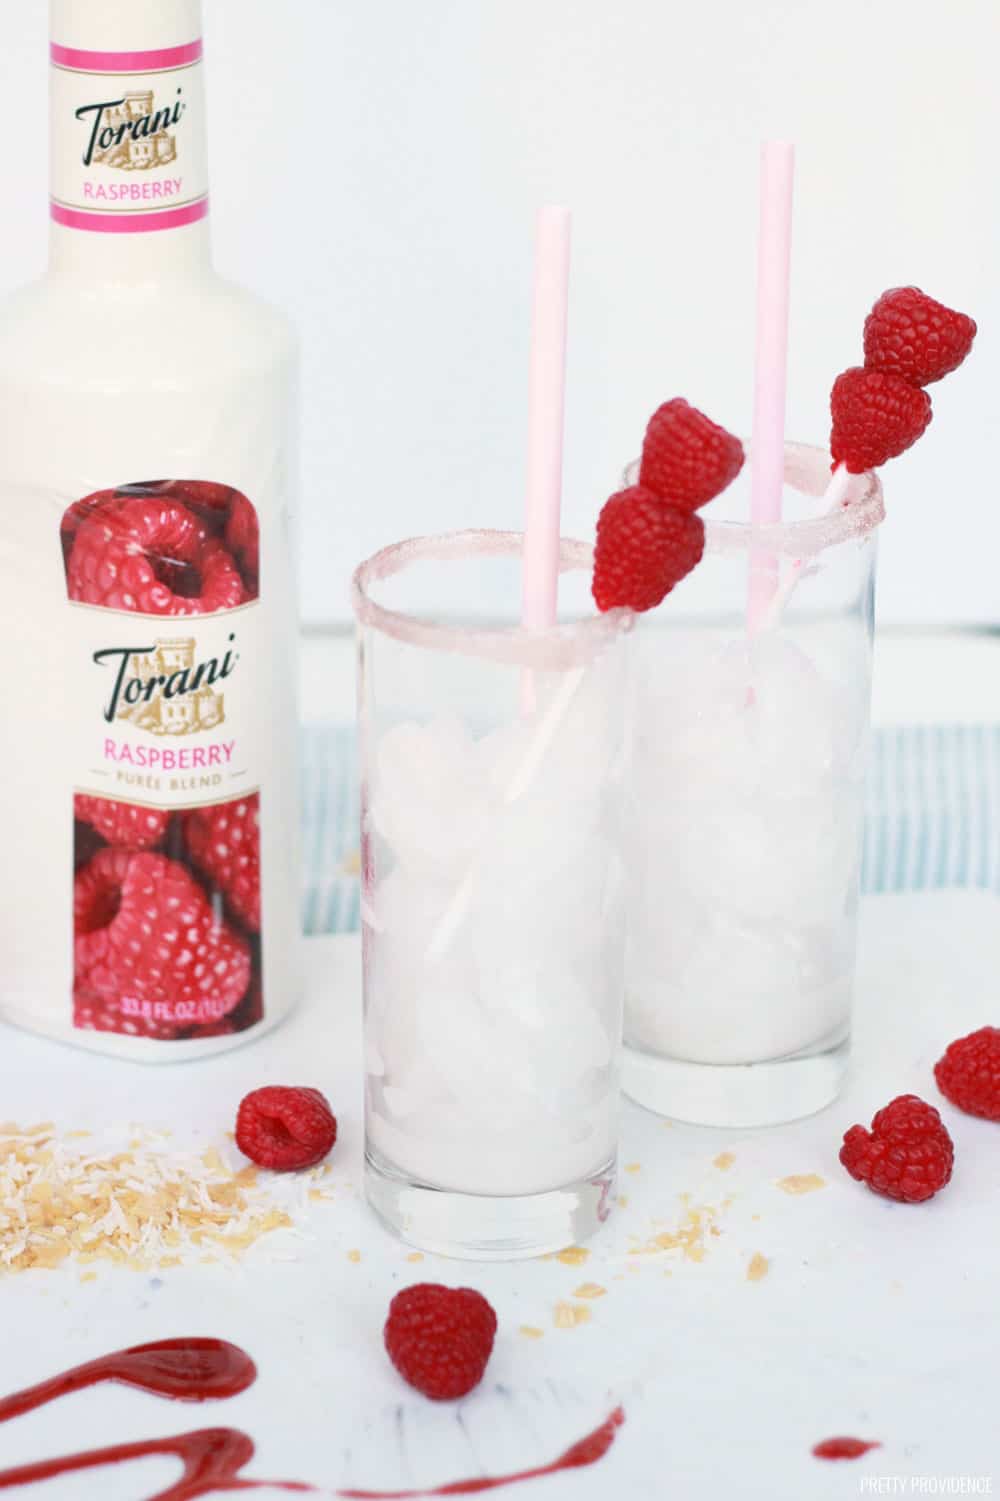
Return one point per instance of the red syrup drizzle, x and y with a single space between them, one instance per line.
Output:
200 1370
844 1448
187 1370
212 1460
586 1452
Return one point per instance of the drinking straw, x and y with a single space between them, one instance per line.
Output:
767 458
546 411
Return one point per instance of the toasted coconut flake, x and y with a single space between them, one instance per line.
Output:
573 1255
145 1207
801 1183
758 1267
688 1237
569 1315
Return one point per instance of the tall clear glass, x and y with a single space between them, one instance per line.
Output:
745 806
493 899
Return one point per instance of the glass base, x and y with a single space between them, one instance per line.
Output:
475 1227
736 1095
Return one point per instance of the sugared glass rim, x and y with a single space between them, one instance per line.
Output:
552 649
807 469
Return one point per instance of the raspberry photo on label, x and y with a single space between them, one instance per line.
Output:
166 547
167 924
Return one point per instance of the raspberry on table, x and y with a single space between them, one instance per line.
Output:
148 945
876 417
686 458
909 335
907 1155
644 548
969 1073
152 555
224 843
122 824
440 1338
285 1129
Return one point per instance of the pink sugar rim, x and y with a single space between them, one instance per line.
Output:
553 648
807 469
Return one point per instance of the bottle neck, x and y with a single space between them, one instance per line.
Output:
129 174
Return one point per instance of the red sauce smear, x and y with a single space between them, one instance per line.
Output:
187 1370
844 1448
200 1370
212 1460
586 1452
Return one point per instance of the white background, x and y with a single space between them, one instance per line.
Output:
377 165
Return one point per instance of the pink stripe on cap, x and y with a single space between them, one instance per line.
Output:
126 62
130 224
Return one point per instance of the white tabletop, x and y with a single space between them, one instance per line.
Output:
874 1319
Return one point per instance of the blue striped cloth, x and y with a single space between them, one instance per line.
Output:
933 816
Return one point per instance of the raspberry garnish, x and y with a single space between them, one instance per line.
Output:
910 335
122 824
969 1073
440 1338
153 555
224 843
907 1154
149 950
686 458
284 1129
644 548
876 417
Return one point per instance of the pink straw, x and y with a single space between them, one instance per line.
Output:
546 410
767 457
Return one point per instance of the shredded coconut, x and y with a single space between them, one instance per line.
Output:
72 1197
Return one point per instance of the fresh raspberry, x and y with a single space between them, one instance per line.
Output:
149 949
224 843
440 1338
152 555
686 458
243 538
876 417
644 547
907 1154
285 1129
969 1073
122 824
910 335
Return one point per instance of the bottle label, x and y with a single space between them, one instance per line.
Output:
162 581
128 139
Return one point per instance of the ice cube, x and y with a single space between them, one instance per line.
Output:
429 795
749 992
691 700
797 726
